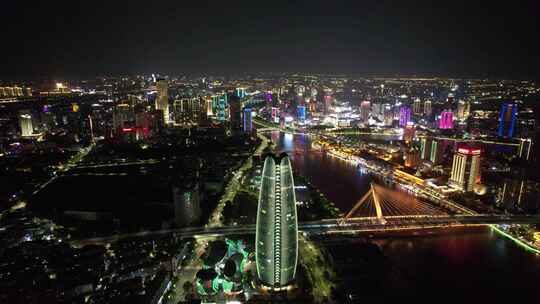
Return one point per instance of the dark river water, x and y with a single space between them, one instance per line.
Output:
469 264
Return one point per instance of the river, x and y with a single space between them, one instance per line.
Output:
461 263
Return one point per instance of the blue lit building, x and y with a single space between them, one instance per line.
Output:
507 120
248 120
301 112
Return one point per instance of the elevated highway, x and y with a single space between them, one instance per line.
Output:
333 226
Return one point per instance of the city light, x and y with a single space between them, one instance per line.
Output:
192 159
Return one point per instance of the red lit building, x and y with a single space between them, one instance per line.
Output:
466 168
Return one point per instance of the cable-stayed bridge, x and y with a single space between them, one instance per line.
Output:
380 202
335 226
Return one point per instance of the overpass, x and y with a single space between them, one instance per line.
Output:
334 226
379 210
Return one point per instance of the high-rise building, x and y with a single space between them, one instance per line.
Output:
275 115
431 150
377 110
525 147
301 111
215 102
124 122
417 106
507 120
208 105
248 120
327 104
466 168
8 92
25 122
222 107
447 120
143 125
425 147
463 109
409 132
397 110
388 114
18 91
404 116
436 152
450 100
365 108
276 238
123 117
189 111
427 107
412 157
235 112
240 92
162 99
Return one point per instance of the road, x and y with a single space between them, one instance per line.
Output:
362 224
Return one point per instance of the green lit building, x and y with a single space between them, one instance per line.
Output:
276 249
222 107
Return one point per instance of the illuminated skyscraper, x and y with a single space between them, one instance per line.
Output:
450 100
235 112
222 105
409 132
507 120
25 122
377 110
248 120
189 111
417 106
463 109
162 99
327 104
404 116
465 169
425 147
208 105
123 116
431 150
215 102
18 91
275 115
365 108
124 122
447 120
240 92
427 107
412 158
276 238
388 114
301 111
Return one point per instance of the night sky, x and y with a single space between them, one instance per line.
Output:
56 39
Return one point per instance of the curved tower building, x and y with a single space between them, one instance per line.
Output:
276 248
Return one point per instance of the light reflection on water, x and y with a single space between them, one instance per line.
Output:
338 180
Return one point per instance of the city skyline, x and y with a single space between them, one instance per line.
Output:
287 151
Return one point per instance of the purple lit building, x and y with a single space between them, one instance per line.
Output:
447 120
404 116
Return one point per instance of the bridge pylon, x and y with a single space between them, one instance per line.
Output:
371 193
